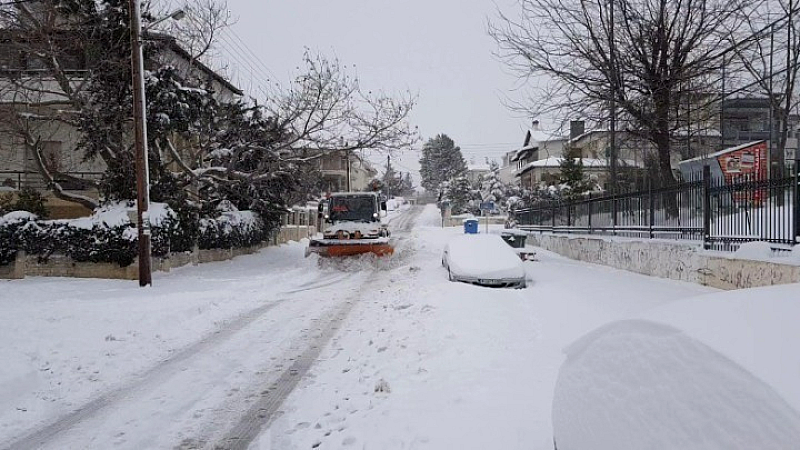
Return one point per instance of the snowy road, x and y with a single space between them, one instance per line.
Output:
275 351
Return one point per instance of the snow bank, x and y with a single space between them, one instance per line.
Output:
762 251
117 215
713 372
17 216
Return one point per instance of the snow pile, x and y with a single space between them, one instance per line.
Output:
713 372
766 252
118 214
758 251
231 229
17 216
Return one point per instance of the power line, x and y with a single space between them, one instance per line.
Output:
235 55
247 48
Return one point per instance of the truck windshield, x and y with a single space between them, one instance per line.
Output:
352 209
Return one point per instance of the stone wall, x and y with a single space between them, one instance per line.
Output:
62 266
670 260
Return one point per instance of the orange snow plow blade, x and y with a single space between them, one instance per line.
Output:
329 248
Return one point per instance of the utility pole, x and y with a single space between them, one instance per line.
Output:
140 141
389 177
612 153
771 104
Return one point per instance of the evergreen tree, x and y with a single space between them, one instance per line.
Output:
441 161
491 188
460 193
572 175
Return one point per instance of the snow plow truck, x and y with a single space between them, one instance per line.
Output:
353 225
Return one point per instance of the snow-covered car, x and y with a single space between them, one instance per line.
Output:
483 259
718 371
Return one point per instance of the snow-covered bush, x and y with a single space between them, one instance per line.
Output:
9 236
232 229
108 235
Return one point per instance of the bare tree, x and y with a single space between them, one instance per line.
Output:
773 63
274 147
637 57
44 84
199 31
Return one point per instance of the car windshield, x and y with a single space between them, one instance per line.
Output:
352 209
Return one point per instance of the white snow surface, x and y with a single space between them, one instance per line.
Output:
17 216
418 363
712 372
431 364
117 214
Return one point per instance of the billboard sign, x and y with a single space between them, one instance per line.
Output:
745 164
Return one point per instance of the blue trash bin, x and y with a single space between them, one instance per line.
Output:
471 226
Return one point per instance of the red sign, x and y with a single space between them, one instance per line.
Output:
745 164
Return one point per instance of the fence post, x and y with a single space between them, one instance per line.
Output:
614 210
651 208
706 207
796 199
553 226
590 212
569 214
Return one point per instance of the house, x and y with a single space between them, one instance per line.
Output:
476 171
547 171
536 167
747 119
336 167
28 89
537 144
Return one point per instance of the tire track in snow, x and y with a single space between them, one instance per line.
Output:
261 414
162 370
263 411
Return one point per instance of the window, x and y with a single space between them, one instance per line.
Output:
10 58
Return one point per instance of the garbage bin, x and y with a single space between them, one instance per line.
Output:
471 226
516 240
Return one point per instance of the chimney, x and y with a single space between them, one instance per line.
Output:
535 125
576 128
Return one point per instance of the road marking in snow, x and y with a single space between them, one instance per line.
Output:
48 433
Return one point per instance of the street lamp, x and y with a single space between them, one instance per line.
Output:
178 14
140 140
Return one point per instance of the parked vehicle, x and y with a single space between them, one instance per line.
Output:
484 260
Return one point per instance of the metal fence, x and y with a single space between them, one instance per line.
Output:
20 179
722 213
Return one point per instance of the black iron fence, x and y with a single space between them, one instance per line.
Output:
721 212
21 179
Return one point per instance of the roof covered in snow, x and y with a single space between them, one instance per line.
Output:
591 163
534 138
723 152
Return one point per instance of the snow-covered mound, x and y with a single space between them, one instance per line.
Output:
714 372
482 256
17 216
119 214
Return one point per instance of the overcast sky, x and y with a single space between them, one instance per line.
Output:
438 49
